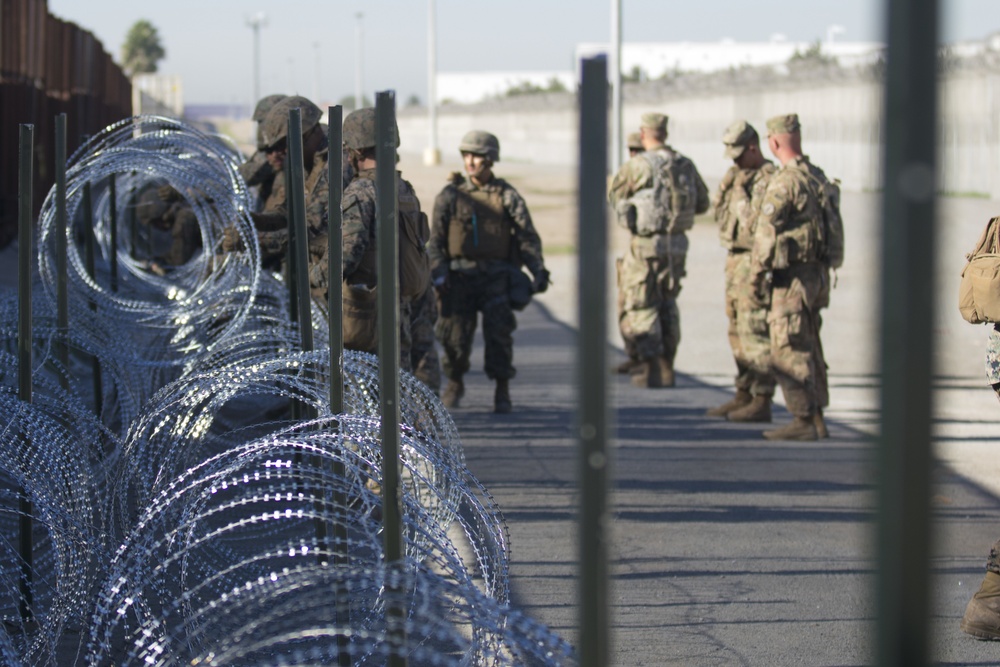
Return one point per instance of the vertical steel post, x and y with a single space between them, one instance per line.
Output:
335 257
88 262
387 232
335 310
907 318
113 257
591 364
298 235
62 298
24 344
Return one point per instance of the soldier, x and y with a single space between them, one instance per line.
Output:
789 268
634 143
423 354
737 203
360 243
171 227
272 226
656 195
481 232
258 171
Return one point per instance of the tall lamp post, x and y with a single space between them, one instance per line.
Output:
432 154
359 94
256 22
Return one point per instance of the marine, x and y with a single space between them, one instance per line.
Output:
481 234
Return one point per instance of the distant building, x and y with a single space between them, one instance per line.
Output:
470 87
656 60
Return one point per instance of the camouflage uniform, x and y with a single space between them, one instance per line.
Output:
171 227
423 353
788 243
360 245
649 275
257 171
737 203
272 226
479 284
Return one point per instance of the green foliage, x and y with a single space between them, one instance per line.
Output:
142 49
813 55
348 102
413 101
635 75
527 88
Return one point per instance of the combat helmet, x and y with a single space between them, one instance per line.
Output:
359 129
275 125
264 105
479 142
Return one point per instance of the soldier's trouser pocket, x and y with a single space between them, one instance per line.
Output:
637 284
360 311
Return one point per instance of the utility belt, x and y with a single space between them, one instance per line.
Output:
465 265
738 251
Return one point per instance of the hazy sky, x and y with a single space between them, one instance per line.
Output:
309 42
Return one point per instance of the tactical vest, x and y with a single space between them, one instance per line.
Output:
414 231
801 240
479 228
668 205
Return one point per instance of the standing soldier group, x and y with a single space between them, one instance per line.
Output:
782 230
482 234
784 235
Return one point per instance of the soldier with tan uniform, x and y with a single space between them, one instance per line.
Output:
481 233
634 144
737 203
790 272
656 195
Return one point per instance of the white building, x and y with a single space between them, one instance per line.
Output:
470 87
655 60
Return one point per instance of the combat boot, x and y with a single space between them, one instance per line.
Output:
453 393
501 398
741 398
666 372
647 374
759 410
821 430
801 428
982 614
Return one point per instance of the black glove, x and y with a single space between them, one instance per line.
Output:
541 282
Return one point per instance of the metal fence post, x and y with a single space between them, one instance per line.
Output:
387 232
907 319
298 234
62 299
24 348
591 364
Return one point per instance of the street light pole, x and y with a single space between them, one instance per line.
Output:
432 156
359 97
256 22
616 84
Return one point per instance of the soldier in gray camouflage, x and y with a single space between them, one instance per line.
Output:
481 233
982 613
788 271
272 226
257 170
650 273
423 354
359 237
737 203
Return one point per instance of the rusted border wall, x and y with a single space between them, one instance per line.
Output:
49 66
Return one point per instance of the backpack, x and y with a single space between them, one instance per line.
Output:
414 232
979 291
668 206
833 224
